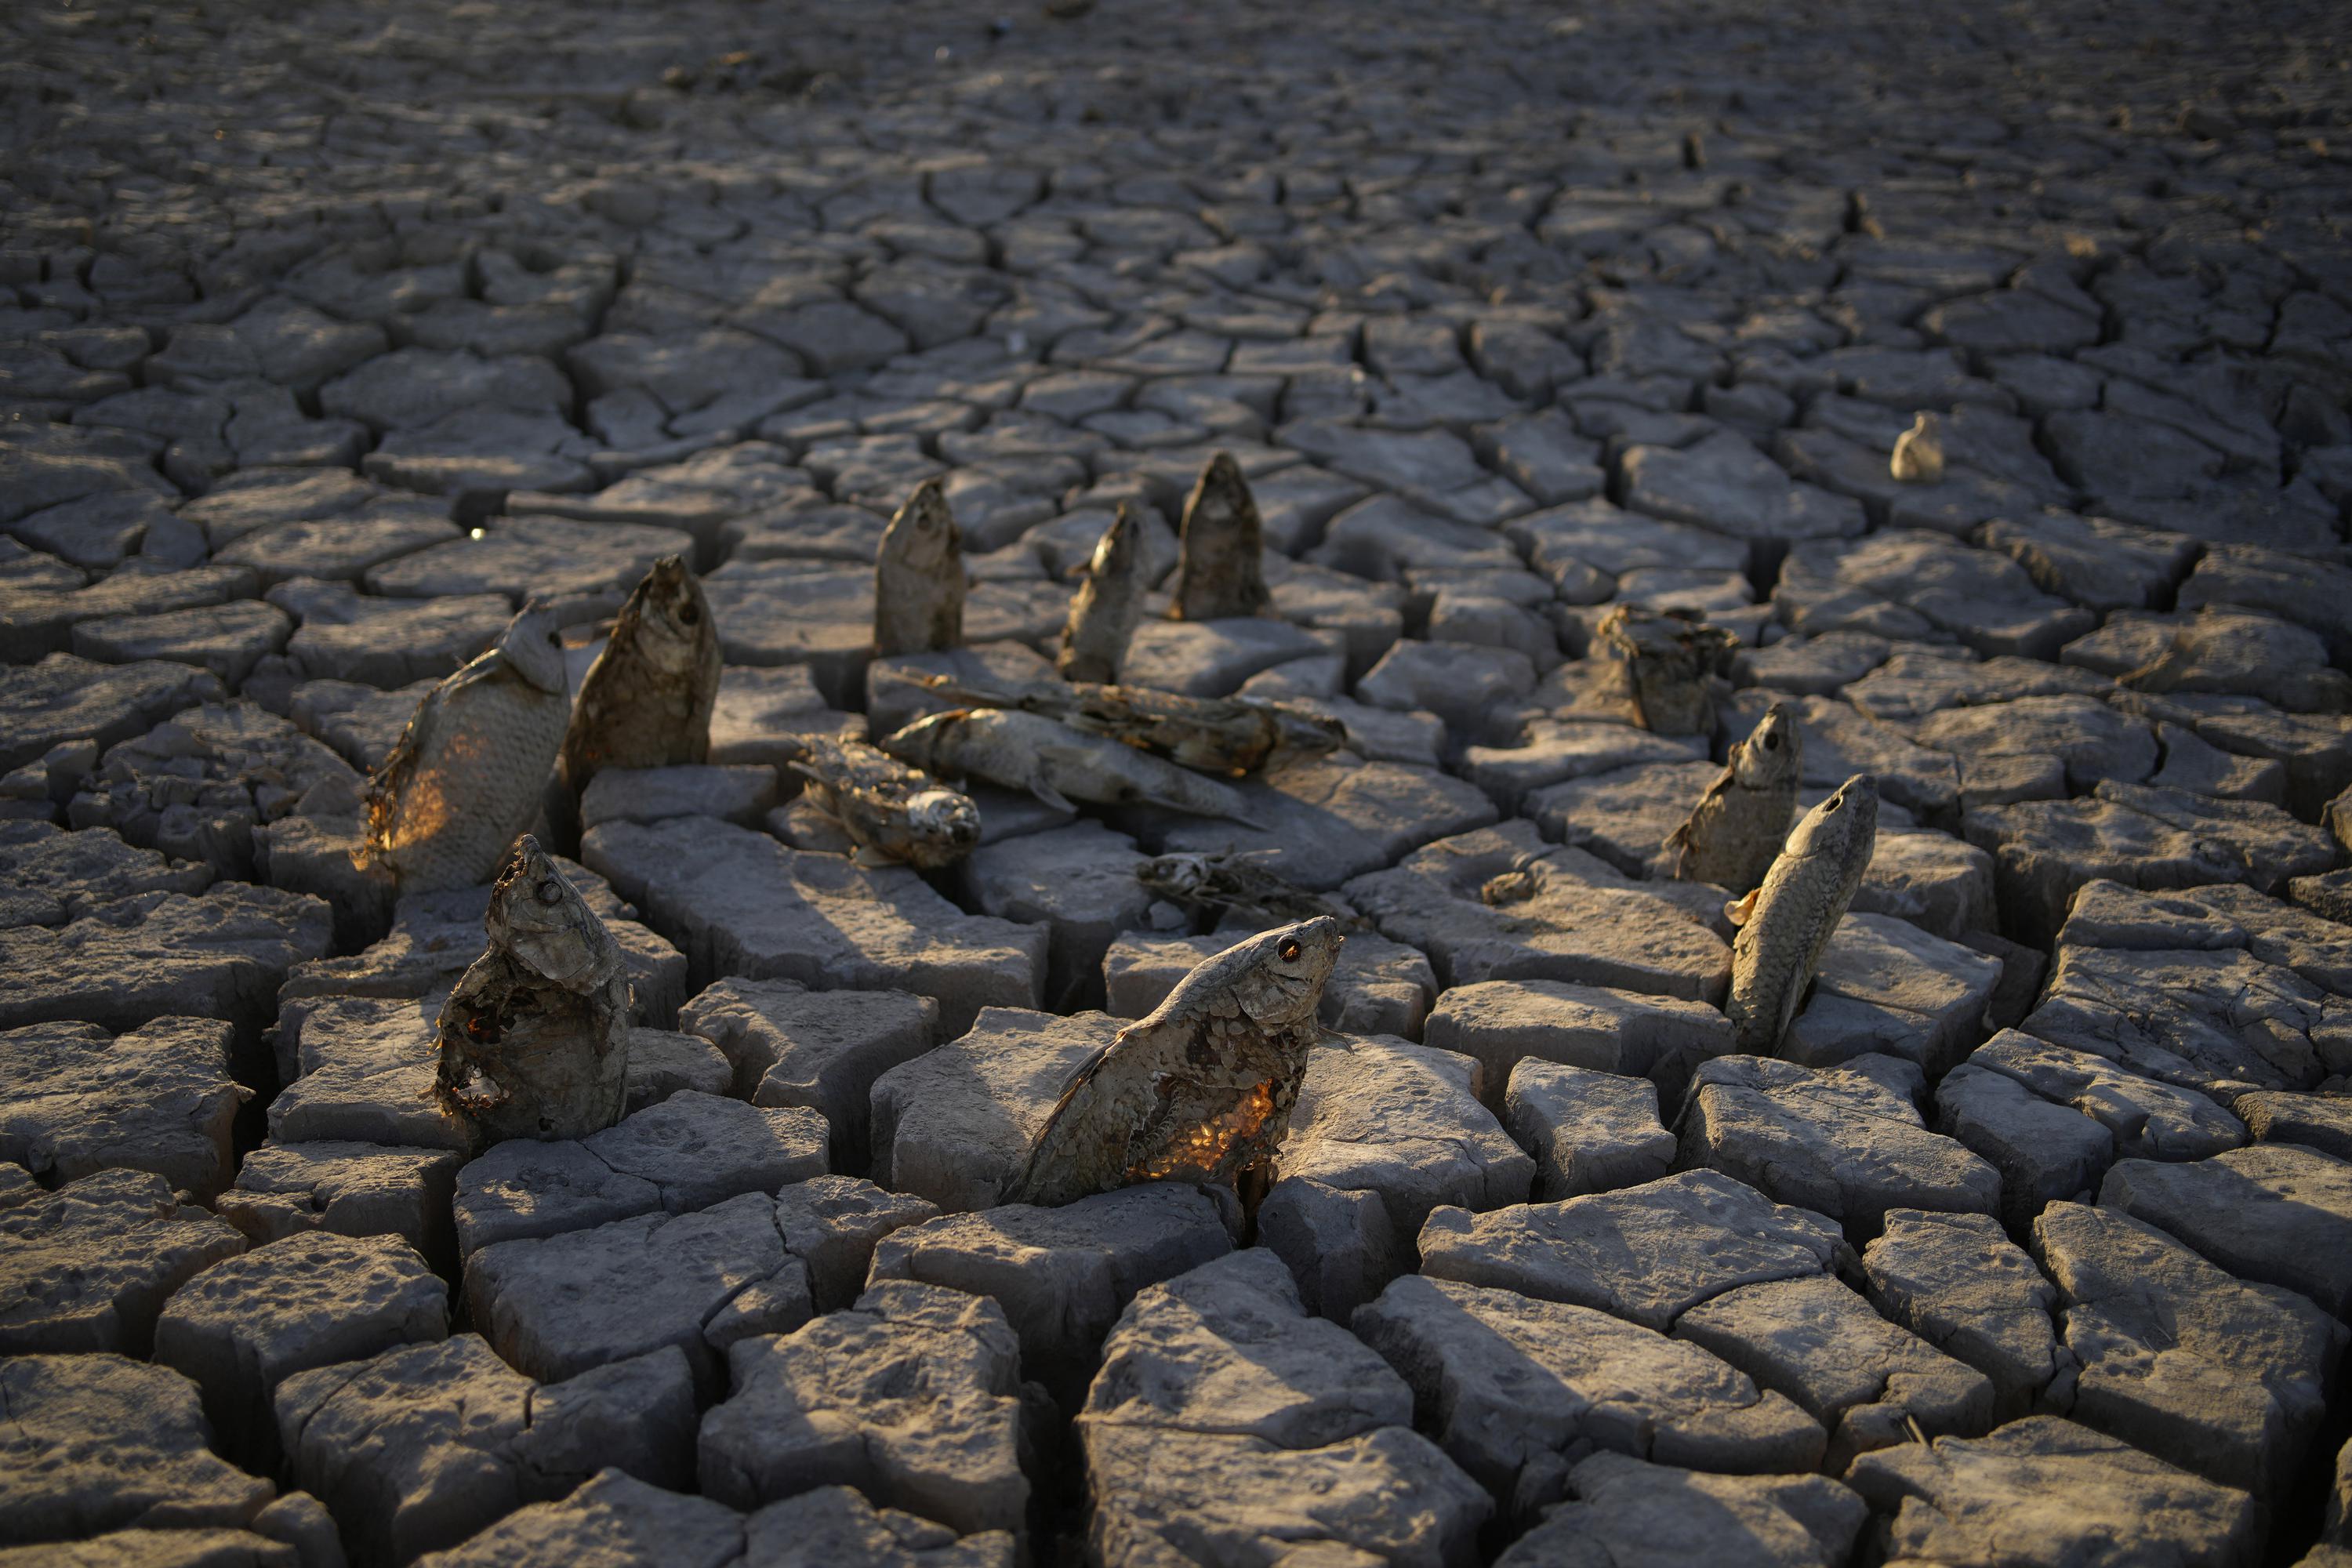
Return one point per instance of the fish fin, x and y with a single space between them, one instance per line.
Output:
1739 908
871 858
1051 797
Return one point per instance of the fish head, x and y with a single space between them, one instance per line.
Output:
944 816
922 744
1120 548
1842 827
1178 874
923 533
539 918
1773 753
1281 972
672 619
1300 734
533 645
1221 489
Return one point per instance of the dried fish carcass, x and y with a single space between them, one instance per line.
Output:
1785 924
1056 764
919 578
894 814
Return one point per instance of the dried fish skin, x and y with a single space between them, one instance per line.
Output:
468 770
918 578
1785 924
1672 664
1733 834
534 1038
647 700
1234 736
1236 882
1109 605
1221 556
1202 1090
894 814
1056 762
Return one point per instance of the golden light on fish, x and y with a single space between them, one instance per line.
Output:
1199 1150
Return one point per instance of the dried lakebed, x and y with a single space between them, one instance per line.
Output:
1986 380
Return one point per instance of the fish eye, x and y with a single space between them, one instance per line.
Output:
551 892
690 615
1772 742
1289 949
1834 802
554 639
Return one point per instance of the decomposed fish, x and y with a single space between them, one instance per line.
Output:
535 1034
1221 562
1236 736
1738 825
1672 662
646 701
1202 1090
1108 604
467 774
918 581
894 814
1918 458
1234 881
1056 764
1785 924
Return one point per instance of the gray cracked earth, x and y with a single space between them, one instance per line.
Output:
328 331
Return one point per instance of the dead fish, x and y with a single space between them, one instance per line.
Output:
1918 456
1785 924
1236 736
646 702
1202 1090
1056 764
1108 604
467 772
1673 661
1738 827
1221 561
894 814
535 1034
918 580
1235 881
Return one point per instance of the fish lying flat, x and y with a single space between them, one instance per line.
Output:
1055 763
918 579
1785 924
1221 562
1738 824
535 1036
467 772
1672 664
1202 1090
1234 736
1234 882
894 814
1108 604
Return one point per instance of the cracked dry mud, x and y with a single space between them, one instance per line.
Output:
1983 374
